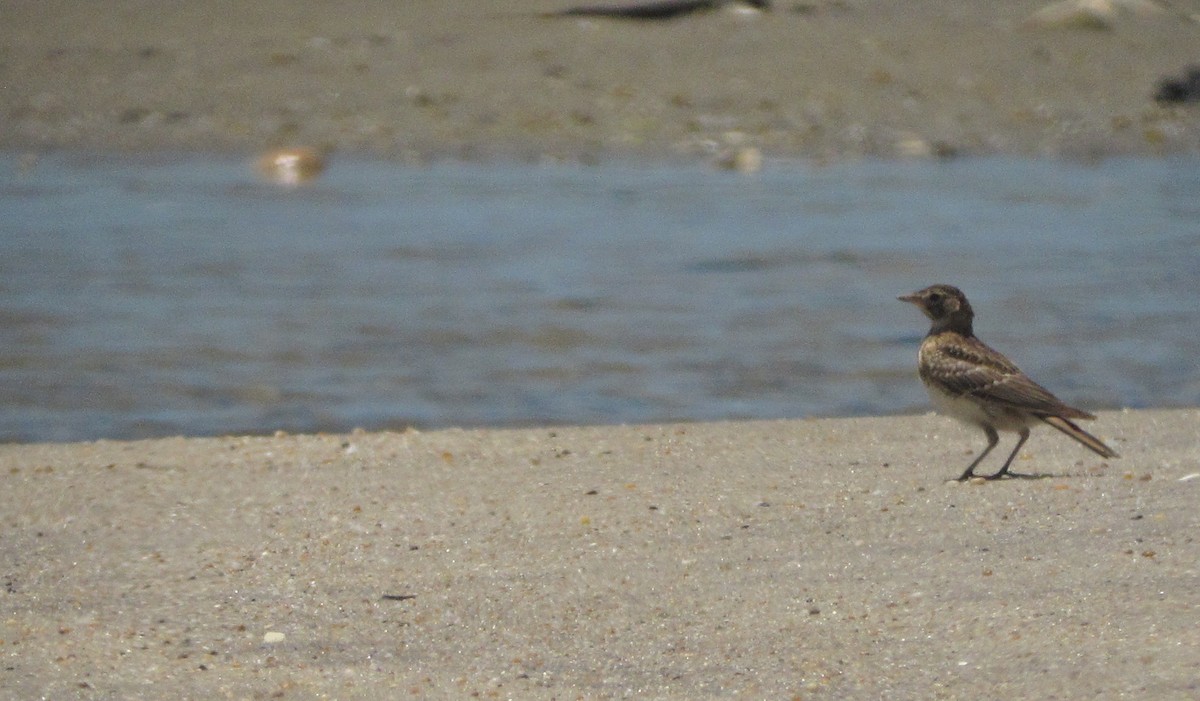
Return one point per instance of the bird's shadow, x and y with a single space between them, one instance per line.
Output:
1013 476
1023 476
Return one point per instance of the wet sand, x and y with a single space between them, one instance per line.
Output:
421 79
788 559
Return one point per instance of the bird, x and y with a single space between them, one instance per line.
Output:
975 384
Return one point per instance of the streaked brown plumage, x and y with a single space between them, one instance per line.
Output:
977 385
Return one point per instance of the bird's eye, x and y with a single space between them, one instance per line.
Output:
935 296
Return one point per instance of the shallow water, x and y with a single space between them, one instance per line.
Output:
178 295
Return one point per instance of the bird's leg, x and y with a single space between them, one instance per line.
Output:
1004 470
993 439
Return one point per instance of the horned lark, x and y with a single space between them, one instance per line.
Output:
977 385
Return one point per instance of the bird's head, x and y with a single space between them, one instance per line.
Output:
946 305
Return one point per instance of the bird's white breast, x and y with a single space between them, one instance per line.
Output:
970 411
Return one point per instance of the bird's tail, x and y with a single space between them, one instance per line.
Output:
1091 442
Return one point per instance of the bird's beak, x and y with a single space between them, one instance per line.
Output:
913 298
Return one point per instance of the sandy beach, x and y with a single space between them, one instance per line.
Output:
757 560
425 79
790 559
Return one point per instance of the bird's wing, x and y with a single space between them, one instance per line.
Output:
969 367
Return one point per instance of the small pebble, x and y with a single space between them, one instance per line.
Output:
1092 14
291 166
747 159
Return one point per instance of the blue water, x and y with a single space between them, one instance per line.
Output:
179 295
